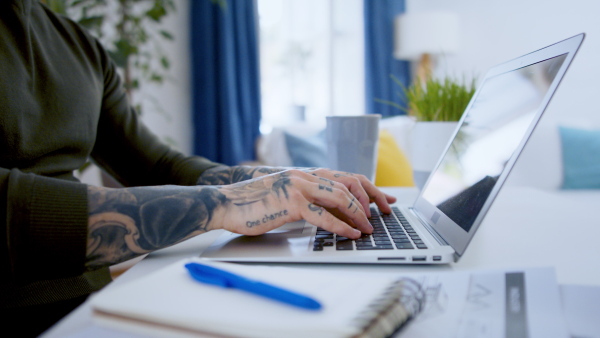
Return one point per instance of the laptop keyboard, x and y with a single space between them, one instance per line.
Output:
390 232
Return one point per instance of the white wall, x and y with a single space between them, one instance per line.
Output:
174 123
492 32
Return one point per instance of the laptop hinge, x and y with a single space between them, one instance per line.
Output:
428 227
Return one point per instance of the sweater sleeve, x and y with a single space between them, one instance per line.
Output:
42 251
46 222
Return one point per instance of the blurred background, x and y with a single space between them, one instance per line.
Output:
239 69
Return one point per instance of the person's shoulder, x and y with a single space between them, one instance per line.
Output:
71 30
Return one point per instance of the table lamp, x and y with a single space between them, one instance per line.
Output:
424 35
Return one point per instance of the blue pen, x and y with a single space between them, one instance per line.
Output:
211 275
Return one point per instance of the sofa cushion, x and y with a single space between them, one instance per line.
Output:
307 151
581 158
393 167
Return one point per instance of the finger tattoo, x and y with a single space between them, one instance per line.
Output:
315 208
281 184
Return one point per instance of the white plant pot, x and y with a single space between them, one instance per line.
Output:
427 142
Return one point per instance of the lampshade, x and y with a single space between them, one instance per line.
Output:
421 33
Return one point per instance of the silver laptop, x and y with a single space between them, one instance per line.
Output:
438 227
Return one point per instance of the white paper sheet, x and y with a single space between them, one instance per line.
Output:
491 304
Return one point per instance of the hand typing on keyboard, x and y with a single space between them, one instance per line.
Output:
336 201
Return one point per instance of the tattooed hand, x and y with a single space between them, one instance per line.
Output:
357 184
265 203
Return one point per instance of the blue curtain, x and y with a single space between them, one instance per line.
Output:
225 79
379 60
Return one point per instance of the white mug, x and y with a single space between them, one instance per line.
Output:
352 143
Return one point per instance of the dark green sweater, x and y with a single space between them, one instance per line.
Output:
61 103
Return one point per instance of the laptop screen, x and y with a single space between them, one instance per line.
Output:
492 130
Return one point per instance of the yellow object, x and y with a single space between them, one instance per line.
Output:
393 167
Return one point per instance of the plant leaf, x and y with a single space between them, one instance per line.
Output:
165 62
167 35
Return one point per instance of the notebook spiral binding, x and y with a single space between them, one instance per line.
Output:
404 299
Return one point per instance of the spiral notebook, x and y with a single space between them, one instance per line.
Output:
170 303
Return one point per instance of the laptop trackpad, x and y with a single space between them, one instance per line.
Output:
289 228
283 241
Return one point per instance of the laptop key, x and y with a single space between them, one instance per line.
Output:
385 247
344 245
366 241
404 246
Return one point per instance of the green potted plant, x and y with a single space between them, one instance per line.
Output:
433 99
436 105
442 100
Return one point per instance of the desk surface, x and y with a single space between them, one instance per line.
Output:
520 230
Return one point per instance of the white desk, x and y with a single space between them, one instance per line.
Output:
519 231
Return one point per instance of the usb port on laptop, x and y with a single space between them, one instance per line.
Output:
419 258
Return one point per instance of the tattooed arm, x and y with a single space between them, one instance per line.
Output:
228 175
125 223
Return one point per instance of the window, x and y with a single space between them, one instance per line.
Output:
311 59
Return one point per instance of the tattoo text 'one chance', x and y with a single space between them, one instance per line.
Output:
267 218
